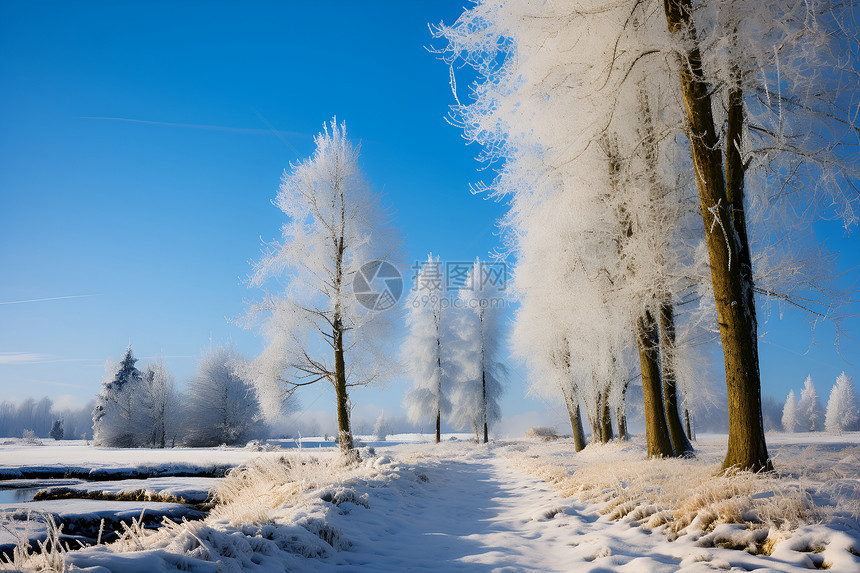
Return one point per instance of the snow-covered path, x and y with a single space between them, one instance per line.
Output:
478 514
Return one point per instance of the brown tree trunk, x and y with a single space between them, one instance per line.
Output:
621 417
680 443
439 387
656 432
687 422
484 396
621 414
344 433
575 422
606 419
594 421
732 290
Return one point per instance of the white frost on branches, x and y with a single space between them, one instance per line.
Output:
843 407
334 225
480 370
428 348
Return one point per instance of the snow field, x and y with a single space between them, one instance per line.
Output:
520 505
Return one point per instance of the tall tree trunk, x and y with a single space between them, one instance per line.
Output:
575 421
594 421
439 390
621 418
621 414
344 433
656 432
484 403
687 422
606 419
680 443
732 290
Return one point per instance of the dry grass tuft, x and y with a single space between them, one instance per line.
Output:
250 494
681 496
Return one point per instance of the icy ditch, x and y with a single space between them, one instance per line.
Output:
81 521
92 511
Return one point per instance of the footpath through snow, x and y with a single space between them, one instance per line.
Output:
476 513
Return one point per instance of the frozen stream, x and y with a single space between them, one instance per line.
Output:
18 491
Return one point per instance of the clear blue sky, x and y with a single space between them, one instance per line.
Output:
153 221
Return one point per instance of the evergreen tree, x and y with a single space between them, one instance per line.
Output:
116 416
57 430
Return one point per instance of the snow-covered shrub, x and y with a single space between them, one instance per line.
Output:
381 428
541 432
843 408
29 437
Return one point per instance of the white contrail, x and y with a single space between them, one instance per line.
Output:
201 126
21 358
44 299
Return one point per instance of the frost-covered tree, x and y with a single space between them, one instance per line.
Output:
843 407
589 148
428 348
222 407
480 372
335 237
745 78
765 101
160 404
789 413
118 419
810 412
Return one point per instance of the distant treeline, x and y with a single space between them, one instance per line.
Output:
39 417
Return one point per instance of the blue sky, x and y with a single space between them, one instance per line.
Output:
154 220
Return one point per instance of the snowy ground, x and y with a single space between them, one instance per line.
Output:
518 505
